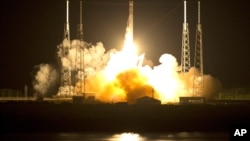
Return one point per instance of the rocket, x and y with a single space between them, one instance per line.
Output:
131 17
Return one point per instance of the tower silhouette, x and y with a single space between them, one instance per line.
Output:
198 82
66 70
185 53
79 58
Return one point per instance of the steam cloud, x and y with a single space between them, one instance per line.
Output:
45 78
164 82
212 86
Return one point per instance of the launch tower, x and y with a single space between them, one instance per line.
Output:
198 59
66 71
185 53
79 60
80 26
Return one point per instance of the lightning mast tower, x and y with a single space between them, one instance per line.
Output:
66 28
198 59
79 62
185 53
80 26
66 70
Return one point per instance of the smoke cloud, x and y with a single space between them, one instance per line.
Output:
211 85
163 81
134 84
45 78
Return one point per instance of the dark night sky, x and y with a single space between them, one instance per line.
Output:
32 29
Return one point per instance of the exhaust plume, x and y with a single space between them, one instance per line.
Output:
45 78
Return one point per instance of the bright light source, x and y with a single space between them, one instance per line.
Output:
126 137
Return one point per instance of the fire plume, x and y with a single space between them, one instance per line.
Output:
125 79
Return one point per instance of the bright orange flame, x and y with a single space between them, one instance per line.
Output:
125 79
125 59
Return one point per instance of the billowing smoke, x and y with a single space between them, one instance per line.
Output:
134 84
93 56
45 79
114 76
128 85
163 82
165 79
211 85
81 55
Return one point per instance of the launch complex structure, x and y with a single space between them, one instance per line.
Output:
66 72
198 82
198 59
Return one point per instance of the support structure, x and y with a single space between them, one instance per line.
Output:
66 70
185 53
79 60
198 59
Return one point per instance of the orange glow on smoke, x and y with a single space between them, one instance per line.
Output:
120 76
124 78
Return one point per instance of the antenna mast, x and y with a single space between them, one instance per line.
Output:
185 54
66 70
79 62
198 83
80 26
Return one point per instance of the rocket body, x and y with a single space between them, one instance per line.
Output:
131 17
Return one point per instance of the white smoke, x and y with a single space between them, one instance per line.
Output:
165 78
93 57
45 78
211 85
82 55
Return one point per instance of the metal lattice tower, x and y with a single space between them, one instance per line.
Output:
80 26
79 60
185 53
66 71
198 59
